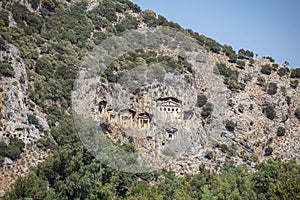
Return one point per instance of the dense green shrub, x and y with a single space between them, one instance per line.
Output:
33 120
230 125
49 5
242 54
294 83
288 100
13 149
232 58
231 77
201 100
226 71
228 50
6 70
297 113
283 71
149 17
269 58
132 6
266 69
34 3
1 160
295 73
207 110
268 151
272 88
45 143
241 64
222 147
4 18
162 21
249 54
129 22
251 61
28 186
275 66
25 19
135 58
129 148
261 80
270 112
99 37
213 45
3 46
280 131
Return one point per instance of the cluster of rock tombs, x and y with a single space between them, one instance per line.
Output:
153 117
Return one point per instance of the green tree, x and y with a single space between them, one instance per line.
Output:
13 149
241 53
162 21
28 187
213 45
280 131
272 88
144 191
270 112
6 70
230 125
266 175
261 81
287 185
129 22
269 58
207 110
4 17
149 17
228 50
249 54
266 69
241 64
295 73
233 183
201 100
268 151
283 71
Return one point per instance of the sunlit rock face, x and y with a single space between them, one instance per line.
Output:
155 108
19 120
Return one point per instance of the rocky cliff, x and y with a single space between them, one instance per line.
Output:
175 133
19 119
179 97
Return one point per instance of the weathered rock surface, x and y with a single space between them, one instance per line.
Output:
180 142
14 115
195 140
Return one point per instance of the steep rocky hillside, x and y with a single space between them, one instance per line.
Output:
230 106
246 114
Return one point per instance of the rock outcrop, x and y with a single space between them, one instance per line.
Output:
14 116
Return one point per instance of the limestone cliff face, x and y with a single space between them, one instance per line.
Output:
14 118
253 131
161 118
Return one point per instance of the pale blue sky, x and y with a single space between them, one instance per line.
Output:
266 27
